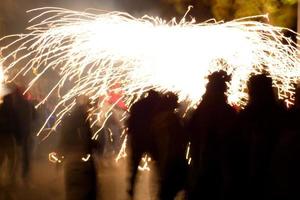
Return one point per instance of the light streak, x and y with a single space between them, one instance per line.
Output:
144 166
188 155
1 84
53 157
85 159
110 135
190 161
93 52
122 153
1 75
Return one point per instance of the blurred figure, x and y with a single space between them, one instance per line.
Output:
25 117
110 137
139 134
210 127
259 126
171 143
7 146
76 146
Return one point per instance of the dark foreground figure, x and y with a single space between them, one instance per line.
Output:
17 117
7 146
210 127
77 146
25 117
171 143
260 126
286 173
140 138
155 129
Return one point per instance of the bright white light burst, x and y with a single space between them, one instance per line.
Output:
94 52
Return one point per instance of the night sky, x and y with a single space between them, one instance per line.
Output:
13 16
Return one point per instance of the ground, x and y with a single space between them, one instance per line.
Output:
46 182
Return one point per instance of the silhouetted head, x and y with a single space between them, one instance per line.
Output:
169 101
152 94
216 85
83 101
260 89
152 97
8 100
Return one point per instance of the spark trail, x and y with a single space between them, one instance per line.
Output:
94 52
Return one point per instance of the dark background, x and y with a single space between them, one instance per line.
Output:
13 17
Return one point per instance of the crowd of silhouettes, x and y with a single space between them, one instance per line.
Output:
216 152
250 153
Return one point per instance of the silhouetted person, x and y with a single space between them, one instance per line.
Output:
25 115
140 140
259 126
7 145
210 126
171 142
286 173
110 137
77 147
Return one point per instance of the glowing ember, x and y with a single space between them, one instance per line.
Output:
94 52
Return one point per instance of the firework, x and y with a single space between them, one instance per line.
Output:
94 52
